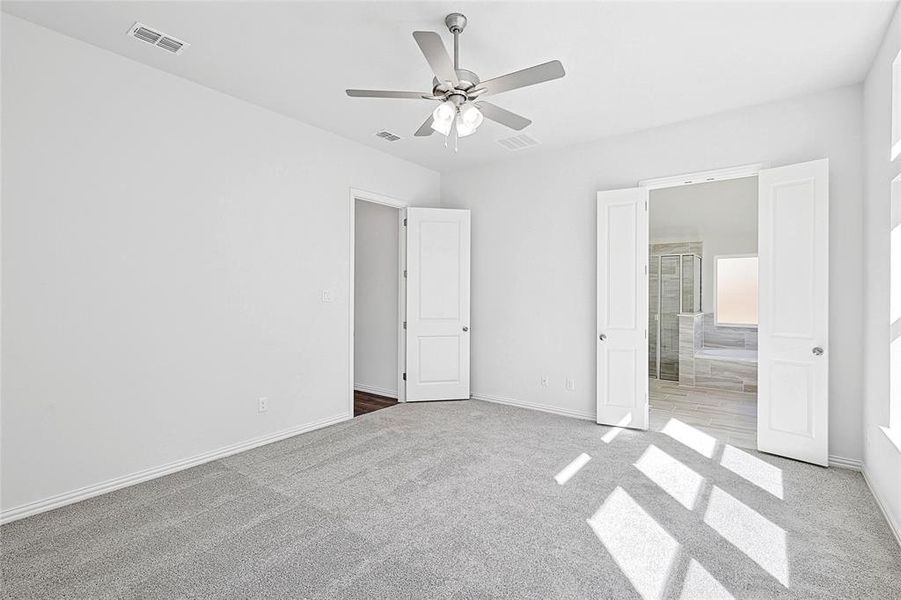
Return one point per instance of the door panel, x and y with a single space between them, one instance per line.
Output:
437 296
622 296
793 401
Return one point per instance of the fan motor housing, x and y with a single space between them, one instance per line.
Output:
467 81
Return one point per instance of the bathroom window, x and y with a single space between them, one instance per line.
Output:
736 290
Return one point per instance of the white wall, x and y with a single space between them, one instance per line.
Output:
375 298
534 230
882 459
164 252
721 214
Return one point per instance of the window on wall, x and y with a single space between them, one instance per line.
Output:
895 310
896 107
735 281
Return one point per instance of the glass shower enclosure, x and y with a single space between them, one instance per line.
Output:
674 286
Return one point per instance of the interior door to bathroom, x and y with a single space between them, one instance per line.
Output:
622 297
437 304
793 345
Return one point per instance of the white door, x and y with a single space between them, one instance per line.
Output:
622 342
793 336
437 348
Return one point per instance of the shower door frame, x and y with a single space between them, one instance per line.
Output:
659 258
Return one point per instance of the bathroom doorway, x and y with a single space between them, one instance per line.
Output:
702 324
720 359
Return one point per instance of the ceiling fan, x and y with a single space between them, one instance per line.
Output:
460 91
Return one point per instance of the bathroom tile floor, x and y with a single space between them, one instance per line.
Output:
729 416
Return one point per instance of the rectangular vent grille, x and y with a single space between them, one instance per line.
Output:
387 135
167 43
518 142
160 40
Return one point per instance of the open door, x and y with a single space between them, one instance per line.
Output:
437 303
793 397
622 343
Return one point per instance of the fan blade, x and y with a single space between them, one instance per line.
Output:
433 48
425 129
386 94
503 116
519 79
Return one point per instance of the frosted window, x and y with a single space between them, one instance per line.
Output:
736 290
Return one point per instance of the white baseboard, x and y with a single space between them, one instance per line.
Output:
893 526
535 406
39 506
378 391
845 463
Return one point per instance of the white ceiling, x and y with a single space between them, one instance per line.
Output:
630 65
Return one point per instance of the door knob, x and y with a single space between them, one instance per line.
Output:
817 351
465 328
602 337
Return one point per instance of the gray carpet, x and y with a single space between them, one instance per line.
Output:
459 500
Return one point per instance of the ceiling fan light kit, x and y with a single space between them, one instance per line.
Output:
459 91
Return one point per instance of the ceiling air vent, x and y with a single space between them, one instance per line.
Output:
518 142
387 135
157 38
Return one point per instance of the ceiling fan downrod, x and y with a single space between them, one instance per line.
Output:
456 23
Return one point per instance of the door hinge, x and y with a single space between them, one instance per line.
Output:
646 205
405 272
405 324
645 334
645 269
405 376
405 221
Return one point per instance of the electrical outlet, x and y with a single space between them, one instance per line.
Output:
545 381
326 296
570 384
263 405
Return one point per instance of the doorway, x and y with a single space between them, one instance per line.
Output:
429 292
702 308
792 302
377 304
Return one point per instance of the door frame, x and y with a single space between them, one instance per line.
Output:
401 206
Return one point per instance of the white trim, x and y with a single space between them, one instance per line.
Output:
565 412
379 391
702 177
894 527
39 506
841 462
401 205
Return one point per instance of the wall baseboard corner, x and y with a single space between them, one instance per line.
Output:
845 463
565 412
59 500
378 391
894 527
